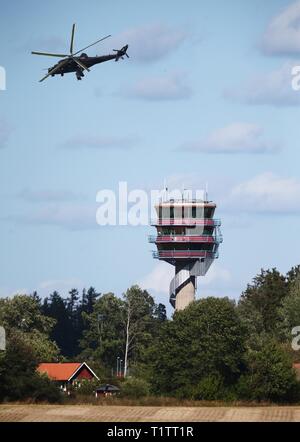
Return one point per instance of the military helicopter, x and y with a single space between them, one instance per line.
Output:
78 64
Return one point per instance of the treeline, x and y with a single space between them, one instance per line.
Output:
100 328
68 315
216 349
92 327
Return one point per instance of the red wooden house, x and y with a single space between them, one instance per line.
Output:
67 373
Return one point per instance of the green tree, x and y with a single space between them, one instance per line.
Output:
260 303
55 307
161 312
44 349
103 337
106 334
68 314
19 379
205 339
293 274
88 299
141 319
86 306
290 310
22 316
269 375
23 312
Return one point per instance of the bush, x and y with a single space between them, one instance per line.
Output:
135 388
44 390
209 388
269 375
87 387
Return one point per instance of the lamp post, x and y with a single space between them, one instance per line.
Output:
2 339
121 360
118 358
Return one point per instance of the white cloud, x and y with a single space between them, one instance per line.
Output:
81 141
282 36
216 276
273 88
150 42
172 86
235 138
160 277
267 193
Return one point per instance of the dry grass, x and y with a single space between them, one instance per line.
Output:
155 401
149 401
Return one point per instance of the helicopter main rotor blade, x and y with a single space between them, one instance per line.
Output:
56 69
98 41
80 64
72 39
50 55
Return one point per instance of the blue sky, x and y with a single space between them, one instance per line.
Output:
205 97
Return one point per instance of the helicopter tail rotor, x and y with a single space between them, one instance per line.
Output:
121 53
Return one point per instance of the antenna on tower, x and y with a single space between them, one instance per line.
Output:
165 190
206 191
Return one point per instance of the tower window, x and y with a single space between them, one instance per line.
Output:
160 212
172 212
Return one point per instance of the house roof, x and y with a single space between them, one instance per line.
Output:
296 365
108 388
62 371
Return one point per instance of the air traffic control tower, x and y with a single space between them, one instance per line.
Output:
188 237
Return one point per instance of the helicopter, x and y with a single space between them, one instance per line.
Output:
73 63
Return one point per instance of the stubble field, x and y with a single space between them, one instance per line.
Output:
92 413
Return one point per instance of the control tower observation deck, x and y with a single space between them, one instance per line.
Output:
188 237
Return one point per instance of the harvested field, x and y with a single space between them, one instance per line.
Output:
94 413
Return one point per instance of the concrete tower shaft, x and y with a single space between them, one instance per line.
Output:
186 293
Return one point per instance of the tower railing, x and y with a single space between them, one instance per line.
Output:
185 222
184 254
186 201
203 238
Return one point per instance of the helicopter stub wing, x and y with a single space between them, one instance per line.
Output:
56 69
